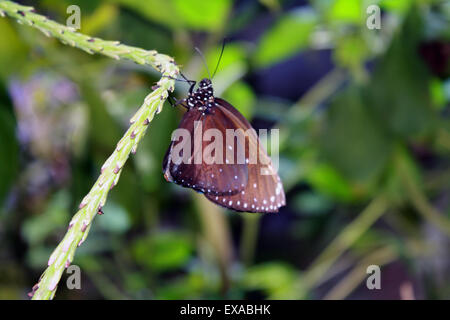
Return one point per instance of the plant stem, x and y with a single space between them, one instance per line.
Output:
249 237
421 203
379 257
113 49
217 234
81 222
343 241
308 103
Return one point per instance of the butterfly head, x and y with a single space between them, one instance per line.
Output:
205 88
205 84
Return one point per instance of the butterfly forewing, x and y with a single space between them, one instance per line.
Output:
211 175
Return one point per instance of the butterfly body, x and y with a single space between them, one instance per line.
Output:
201 99
227 177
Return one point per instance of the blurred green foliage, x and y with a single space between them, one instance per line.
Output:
9 159
381 130
163 251
290 34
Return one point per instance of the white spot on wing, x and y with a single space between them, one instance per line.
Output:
278 189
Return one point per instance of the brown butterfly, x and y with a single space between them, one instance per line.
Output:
235 180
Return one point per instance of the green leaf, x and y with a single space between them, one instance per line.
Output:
289 35
38 256
115 219
108 133
38 228
351 51
12 50
437 90
328 181
352 141
399 91
163 251
103 16
396 5
348 11
446 90
403 163
275 278
241 96
160 11
194 14
273 5
312 203
191 286
203 15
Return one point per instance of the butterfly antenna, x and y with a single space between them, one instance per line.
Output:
220 58
204 61
172 78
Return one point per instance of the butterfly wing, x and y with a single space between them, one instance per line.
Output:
264 190
252 186
213 172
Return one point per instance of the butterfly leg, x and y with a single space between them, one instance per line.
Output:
192 83
175 102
